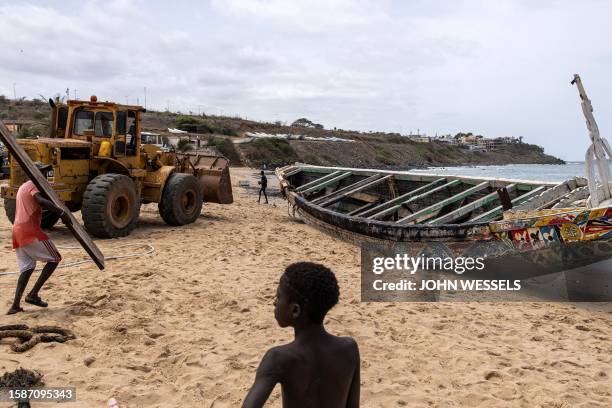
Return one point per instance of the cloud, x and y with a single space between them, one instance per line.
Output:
307 15
443 67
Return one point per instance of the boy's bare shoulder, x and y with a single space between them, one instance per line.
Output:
279 354
347 344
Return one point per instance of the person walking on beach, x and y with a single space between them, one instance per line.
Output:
31 243
263 185
317 369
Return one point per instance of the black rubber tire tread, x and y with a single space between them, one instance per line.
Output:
48 218
170 207
95 202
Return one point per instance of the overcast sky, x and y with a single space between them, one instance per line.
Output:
498 68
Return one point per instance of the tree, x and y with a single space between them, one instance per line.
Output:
184 145
303 122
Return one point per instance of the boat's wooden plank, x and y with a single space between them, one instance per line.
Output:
468 208
547 198
363 208
339 197
581 193
346 188
366 197
431 211
292 172
401 198
43 186
394 208
326 183
526 186
424 177
317 181
497 211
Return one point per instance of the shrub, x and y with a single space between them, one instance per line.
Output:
271 151
184 145
25 132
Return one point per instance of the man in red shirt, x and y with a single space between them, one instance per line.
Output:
31 243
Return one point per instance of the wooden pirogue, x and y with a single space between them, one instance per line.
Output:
524 227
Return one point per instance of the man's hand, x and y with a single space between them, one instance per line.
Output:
65 217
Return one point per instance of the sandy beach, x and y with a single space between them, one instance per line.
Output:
187 324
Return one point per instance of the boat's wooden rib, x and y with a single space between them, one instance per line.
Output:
392 187
352 191
328 182
364 207
319 180
581 193
401 198
547 198
468 208
431 211
293 172
497 211
344 189
412 199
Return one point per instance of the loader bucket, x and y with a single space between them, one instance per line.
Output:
213 174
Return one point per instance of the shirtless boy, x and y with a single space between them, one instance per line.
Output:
316 369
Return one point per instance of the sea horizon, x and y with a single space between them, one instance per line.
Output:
536 172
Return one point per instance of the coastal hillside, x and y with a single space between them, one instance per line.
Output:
251 143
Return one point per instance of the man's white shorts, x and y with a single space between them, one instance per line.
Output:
43 251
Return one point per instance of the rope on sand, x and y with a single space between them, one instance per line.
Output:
149 250
29 337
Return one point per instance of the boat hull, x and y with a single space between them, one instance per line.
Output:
523 245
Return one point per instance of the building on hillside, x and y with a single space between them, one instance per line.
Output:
419 138
15 126
448 139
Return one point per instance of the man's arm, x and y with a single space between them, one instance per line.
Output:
48 205
354 391
268 375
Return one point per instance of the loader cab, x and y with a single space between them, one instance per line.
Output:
113 129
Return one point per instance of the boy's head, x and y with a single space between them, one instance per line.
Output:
306 291
262 172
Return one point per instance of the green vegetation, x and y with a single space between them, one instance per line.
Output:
271 152
196 125
303 122
384 157
184 145
225 146
312 159
26 132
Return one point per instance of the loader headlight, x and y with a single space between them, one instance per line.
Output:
50 174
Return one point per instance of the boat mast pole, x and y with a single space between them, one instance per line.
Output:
599 151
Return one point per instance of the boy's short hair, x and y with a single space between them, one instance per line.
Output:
312 285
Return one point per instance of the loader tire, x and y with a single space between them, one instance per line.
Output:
48 218
110 206
181 201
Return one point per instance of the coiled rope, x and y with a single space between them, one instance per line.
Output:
149 250
29 337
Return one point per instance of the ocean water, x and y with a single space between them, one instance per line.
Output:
538 172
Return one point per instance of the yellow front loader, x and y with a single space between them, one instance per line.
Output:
102 168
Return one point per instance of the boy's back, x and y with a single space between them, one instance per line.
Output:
318 374
317 369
